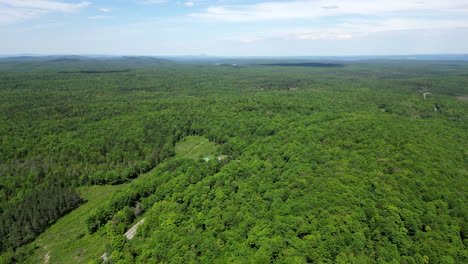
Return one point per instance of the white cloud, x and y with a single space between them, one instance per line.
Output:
152 2
10 15
336 19
105 9
327 36
189 4
250 40
98 17
350 29
15 11
311 9
44 5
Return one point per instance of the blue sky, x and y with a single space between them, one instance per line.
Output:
234 27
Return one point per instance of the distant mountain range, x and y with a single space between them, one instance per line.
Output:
105 63
79 63
74 58
33 57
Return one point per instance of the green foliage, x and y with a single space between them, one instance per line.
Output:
22 222
67 240
316 165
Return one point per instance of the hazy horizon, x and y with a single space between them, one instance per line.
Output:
226 56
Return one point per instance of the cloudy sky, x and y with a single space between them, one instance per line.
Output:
234 27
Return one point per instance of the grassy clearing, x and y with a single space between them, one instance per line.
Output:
68 241
195 147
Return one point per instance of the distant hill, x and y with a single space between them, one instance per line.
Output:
105 62
78 63
310 64
42 58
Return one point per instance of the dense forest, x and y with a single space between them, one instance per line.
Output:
245 162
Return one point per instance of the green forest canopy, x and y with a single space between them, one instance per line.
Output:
342 164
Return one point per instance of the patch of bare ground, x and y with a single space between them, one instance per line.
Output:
47 258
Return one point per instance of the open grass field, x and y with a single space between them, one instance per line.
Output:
195 147
67 241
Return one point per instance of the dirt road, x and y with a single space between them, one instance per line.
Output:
132 231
